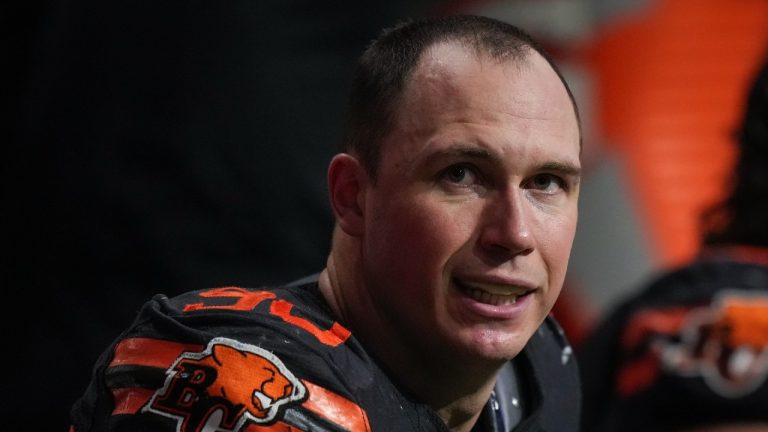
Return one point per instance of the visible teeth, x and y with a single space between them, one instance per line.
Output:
503 290
488 298
493 294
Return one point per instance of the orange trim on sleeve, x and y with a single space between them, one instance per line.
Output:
336 408
150 352
321 401
277 427
159 353
130 400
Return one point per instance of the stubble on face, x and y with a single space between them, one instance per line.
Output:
506 121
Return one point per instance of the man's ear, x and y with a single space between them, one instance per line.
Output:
346 185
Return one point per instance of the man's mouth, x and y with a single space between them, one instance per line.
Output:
493 294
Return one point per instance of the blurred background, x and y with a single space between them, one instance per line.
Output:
160 147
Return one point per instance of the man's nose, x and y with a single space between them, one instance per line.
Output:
506 226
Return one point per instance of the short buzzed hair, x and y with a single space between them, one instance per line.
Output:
388 62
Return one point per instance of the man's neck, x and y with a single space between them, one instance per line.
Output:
456 388
443 381
461 411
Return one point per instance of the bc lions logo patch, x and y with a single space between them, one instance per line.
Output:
725 344
226 386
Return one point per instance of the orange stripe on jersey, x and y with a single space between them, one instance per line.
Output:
646 323
338 409
130 400
334 336
149 352
323 402
277 427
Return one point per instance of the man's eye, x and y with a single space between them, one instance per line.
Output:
546 183
460 174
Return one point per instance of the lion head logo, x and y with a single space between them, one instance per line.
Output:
226 386
726 344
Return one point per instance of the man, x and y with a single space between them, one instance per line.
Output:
456 206
689 350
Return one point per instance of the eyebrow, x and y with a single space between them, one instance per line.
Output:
460 150
463 151
563 168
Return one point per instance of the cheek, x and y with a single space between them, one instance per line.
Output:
556 247
414 236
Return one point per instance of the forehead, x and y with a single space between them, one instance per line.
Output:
451 71
459 92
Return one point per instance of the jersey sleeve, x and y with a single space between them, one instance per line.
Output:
229 360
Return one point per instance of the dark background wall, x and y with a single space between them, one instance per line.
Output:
158 147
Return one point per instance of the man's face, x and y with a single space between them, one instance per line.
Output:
470 222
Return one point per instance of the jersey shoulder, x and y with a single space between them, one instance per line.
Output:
240 359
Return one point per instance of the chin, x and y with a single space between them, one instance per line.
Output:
494 346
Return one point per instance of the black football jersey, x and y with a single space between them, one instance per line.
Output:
250 360
687 348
